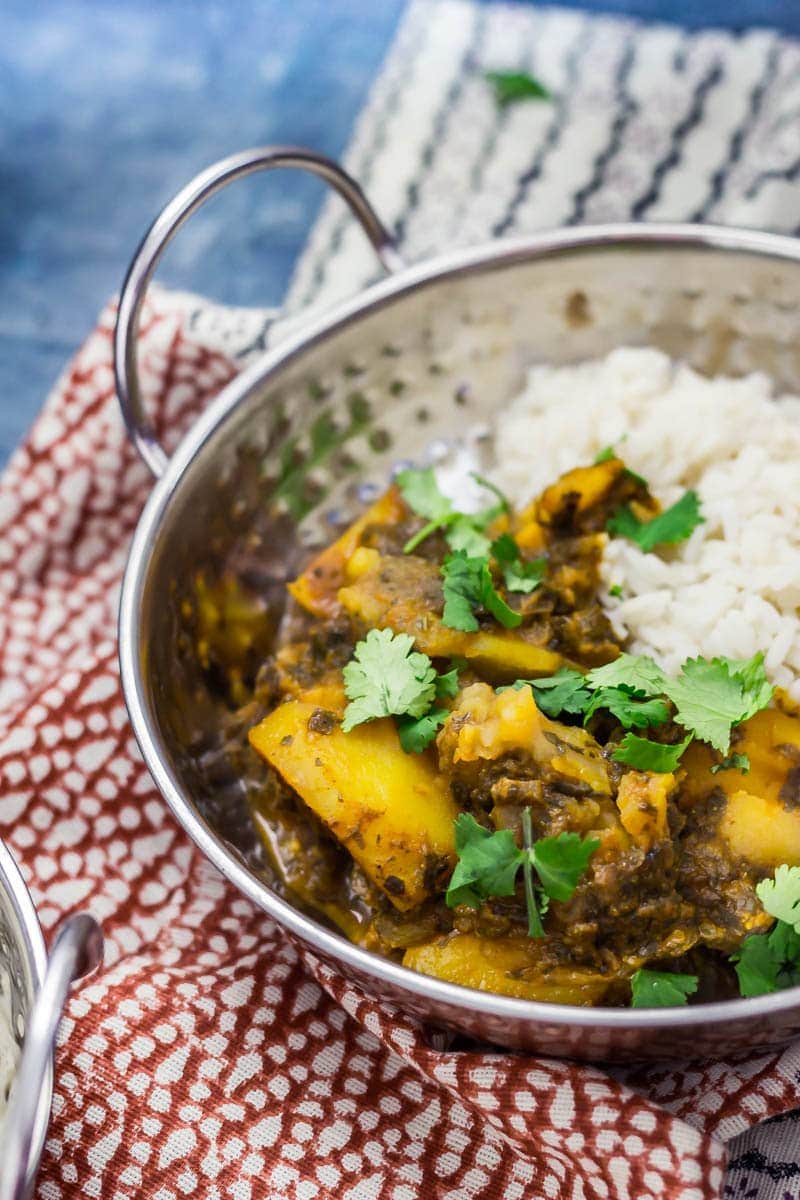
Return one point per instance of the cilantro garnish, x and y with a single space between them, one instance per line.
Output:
519 575
512 86
416 733
468 586
661 989
563 692
673 525
630 707
781 895
644 755
386 677
463 531
616 591
635 671
604 455
711 697
767 962
733 762
488 863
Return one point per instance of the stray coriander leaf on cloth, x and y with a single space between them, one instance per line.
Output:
512 86
733 762
661 989
487 863
417 733
673 525
385 677
468 586
519 575
561 861
630 708
644 755
781 895
711 697
635 671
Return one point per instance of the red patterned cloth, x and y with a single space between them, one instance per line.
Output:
212 1057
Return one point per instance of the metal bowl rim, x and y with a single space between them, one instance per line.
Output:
35 954
452 265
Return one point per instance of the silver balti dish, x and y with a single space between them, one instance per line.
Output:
38 989
415 368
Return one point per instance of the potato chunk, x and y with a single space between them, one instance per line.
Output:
761 819
642 803
511 966
391 810
405 594
316 589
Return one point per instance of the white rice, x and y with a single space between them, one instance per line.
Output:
734 587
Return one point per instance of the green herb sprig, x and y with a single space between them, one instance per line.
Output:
489 862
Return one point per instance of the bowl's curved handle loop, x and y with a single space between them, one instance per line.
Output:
166 225
77 950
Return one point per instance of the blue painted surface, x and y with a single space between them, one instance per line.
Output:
109 106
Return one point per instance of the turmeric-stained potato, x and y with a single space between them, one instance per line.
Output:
405 594
761 819
510 966
485 724
642 802
391 810
317 587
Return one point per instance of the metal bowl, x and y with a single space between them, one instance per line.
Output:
22 953
414 368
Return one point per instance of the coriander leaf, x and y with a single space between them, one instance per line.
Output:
644 755
463 534
519 575
635 671
502 500
563 692
418 732
604 455
766 962
629 707
387 676
535 909
421 493
615 590
561 861
709 700
733 762
447 685
661 989
487 863
468 586
512 86
673 525
757 691
757 966
781 895
462 590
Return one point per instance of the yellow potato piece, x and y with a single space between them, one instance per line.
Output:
316 588
761 820
391 810
404 594
487 725
510 966
642 803
761 830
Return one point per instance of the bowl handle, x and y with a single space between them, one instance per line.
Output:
167 224
77 950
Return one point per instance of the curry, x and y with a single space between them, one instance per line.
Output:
499 831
